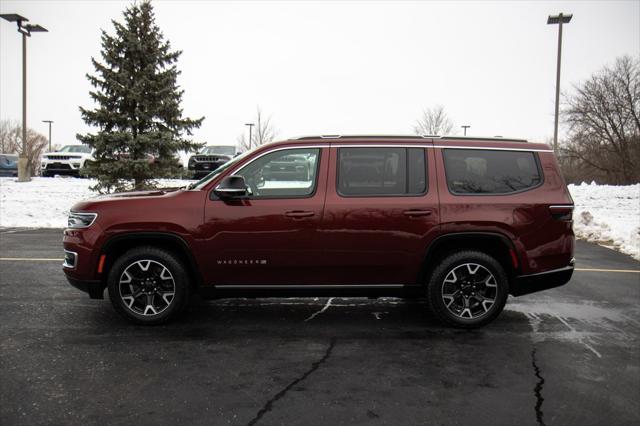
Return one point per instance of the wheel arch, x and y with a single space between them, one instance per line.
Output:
497 245
118 244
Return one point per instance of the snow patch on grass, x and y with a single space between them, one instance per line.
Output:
45 202
608 215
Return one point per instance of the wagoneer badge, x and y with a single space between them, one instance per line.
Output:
242 262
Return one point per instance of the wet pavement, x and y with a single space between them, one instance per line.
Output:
565 356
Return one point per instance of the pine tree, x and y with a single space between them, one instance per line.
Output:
138 114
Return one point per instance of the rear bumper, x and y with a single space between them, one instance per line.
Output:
526 284
94 288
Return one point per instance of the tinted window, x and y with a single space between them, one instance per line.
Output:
381 171
475 171
283 174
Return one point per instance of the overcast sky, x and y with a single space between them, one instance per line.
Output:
329 67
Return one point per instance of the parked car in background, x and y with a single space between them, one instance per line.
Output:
8 165
66 161
294 167
210 158
461 222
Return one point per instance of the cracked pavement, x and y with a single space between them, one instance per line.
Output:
566 356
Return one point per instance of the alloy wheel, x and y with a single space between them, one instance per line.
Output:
469 291
147 287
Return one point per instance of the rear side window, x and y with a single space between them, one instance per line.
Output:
476 171
384 171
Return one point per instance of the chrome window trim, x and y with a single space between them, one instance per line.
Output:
493 148
421 145
269 151
335 142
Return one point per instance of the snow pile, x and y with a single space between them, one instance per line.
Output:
608 215
45 202
605 214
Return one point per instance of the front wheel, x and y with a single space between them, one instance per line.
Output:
468 289
148 285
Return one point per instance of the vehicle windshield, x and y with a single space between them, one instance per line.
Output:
202 182
223 150
9 157
76 148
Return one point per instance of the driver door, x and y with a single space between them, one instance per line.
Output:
269 237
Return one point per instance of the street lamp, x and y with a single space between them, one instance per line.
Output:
558 19
49 121
24 175
465 127
250 126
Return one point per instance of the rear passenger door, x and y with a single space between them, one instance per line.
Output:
381 212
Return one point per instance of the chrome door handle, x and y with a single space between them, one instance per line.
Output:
413 213
296 214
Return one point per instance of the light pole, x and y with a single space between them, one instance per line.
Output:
558 19
465 127
49 121
250 126
24 175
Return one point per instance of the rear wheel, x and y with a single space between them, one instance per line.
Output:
148 285
468 289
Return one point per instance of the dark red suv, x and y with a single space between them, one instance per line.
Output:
463 222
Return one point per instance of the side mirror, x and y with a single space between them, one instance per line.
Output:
231 187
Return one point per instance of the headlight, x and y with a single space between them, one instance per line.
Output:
81 220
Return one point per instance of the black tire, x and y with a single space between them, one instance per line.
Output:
160 310
46 174
462 304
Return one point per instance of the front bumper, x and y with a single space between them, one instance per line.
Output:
201 168
71 166
81 259
526 284
94 288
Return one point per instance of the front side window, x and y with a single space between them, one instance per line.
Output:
476 171
289 173
384 171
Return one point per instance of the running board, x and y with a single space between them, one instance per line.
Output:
310 290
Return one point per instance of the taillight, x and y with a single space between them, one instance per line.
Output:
562 212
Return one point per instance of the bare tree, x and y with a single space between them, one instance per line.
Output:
603 115
263 132
11 143
434 121
9 136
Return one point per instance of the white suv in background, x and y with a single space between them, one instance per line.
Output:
66 161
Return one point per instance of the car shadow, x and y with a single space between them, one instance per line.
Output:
296 318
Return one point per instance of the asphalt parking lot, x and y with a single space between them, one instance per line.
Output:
566 356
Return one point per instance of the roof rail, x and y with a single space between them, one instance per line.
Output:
365 137
495 138
485 138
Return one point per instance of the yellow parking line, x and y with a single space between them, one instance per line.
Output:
628 271
35 259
